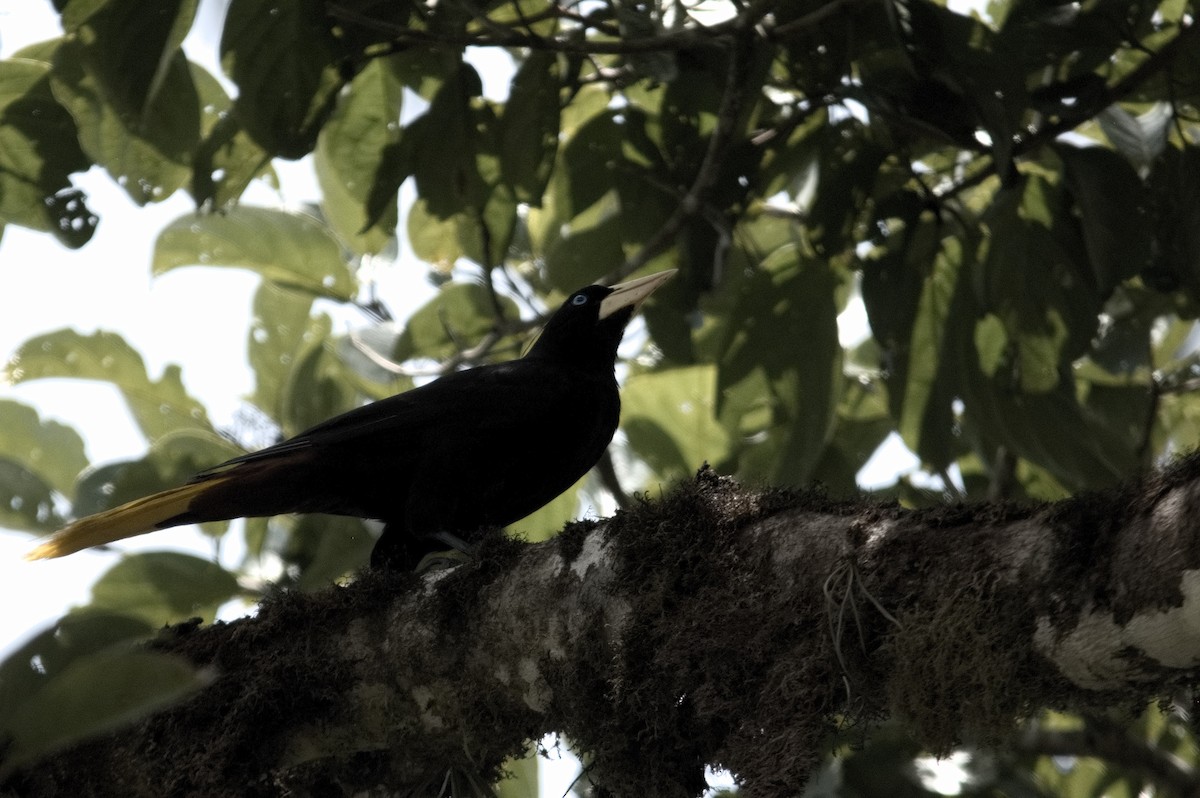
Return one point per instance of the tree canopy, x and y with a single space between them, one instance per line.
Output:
1012 192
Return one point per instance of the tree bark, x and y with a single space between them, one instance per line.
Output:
716 626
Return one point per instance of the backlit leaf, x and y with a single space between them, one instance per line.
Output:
277 328
530 127
454 320
227 158
39 149
52 450
94 694
545 523
1112 205
159 406
670 420
148 153
172 460
351 148
26 501
29 667
316 388
128 46
780 374
281 57
291 249
164 586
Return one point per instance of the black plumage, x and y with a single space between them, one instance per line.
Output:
474 449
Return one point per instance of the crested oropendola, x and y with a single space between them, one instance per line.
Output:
473 449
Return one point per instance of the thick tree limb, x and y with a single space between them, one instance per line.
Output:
715 626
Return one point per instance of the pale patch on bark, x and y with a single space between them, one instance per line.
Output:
537 695
878 534
593 554
424 697
1092 655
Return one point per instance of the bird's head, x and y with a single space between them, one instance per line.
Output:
588 327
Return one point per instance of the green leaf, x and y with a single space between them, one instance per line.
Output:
48 653
37 459
425 69
433 240
940 331
325 548
910 278
128 46
1032 280
486 236
51 450
530 127
95 694
164 586
39 149
589 246
366 353
446 145
1139 138
281 56
172 460
226 159
1175 183
894 270
670 319
454 320
520 777
848 168
670 420
317 388
1049 428
781 371
991 343
1112 204
544 523
26 501
1125 410
278 328
159 406
586 163
862 425
291 249
149 152
351 149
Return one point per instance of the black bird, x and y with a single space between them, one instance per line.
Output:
474 449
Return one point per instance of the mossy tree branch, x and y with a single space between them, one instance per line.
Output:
716 626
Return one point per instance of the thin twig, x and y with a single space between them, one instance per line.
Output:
696 36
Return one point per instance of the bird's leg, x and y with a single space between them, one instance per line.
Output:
401 549
454 542
458 552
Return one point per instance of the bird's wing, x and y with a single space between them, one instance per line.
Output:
467 399
321 469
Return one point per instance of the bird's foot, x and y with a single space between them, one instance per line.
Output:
442 560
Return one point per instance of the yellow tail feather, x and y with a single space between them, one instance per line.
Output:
134 518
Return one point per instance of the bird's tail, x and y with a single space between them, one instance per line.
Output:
134 518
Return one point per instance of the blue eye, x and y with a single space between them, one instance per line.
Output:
578 299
